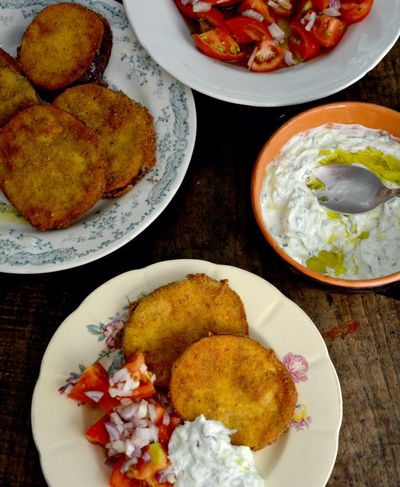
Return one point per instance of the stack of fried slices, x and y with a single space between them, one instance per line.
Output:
66 139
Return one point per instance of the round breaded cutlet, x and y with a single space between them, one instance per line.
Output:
51 166
237 381
64 44
125 129
172 317
16 93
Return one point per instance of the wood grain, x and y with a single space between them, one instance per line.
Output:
211 218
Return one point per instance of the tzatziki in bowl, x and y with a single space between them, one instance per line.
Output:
353 251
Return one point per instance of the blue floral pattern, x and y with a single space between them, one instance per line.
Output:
111 223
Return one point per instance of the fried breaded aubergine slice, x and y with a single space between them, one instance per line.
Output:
64 44
51 166
16 93
125 129
172 317
237 381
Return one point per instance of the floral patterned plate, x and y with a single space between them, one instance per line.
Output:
303 457
111 223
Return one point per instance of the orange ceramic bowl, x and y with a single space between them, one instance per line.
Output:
369 115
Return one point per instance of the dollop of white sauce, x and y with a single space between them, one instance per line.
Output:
301 226
202 456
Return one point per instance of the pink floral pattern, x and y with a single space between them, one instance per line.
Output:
301 420
297 365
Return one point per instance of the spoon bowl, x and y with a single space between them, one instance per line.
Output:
351 189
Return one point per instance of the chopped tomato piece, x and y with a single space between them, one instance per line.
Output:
210 19
186 10
158 461
320 4
217 43
108 403
93 378
259 6
268 56
97 433
301 43
119 479
245 30
165 432
328 30
355 11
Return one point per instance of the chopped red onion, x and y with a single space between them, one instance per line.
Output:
119 375
128 464
112 431
115 418
119 446
335 4
185 2
128 412
142 410
94 395
166 475
152 412
273 4
146 457
143 368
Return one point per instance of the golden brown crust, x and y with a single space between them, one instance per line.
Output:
60 45
125 129
51 166
16 93
8 61
237 381
172 317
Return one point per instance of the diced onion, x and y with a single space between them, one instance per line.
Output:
332 12
311 20
335 4
201 6
273 4
285 4
253 14
94 395
289 58
276 32
128 464
166 419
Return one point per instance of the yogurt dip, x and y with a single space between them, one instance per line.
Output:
202 456
361 246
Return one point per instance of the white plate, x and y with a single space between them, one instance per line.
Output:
303 457
111 223
164 34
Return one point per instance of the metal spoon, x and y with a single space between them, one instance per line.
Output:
351 189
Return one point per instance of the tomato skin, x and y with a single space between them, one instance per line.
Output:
355 11
210 19
219 44
259 6
186 10
328 30
245 30
302 44
119 479
268 57
320 4
97 433
93 378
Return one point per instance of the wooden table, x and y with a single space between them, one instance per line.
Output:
211 218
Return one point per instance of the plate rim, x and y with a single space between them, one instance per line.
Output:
221 93
176 264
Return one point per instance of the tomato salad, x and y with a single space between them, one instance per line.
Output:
267 35
136 425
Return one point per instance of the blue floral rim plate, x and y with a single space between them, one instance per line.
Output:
304 456
111 223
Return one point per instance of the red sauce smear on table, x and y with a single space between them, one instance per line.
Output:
342 330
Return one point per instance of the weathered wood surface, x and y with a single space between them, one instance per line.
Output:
211 218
